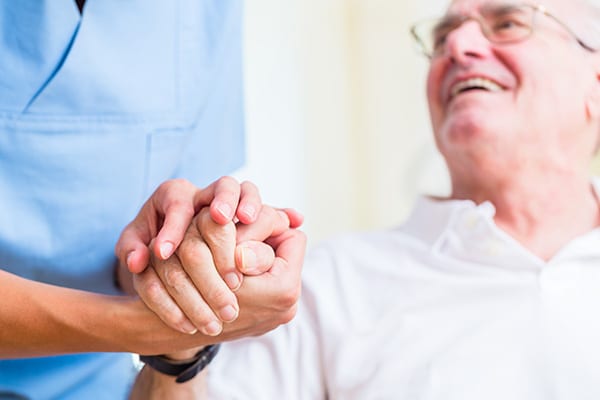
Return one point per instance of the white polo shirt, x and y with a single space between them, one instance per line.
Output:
447 306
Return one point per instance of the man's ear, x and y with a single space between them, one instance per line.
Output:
592 101
592 104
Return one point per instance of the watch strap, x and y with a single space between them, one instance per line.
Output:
183 370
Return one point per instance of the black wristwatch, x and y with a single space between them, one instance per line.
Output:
186 369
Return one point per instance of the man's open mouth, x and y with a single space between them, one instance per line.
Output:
474 84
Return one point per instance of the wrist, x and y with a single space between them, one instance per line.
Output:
152 385
185 369
186 355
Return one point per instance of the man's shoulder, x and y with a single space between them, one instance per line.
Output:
361 253
358 243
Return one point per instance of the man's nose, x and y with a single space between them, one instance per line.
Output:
467 42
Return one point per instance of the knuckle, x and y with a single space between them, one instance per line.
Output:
191 252
214 232
204 219
176 278
152 293
220 234
184 207
289 315
218 296
283 218
289 298
268 212
201 316
171 185
174 183
173 317
165 186
248 185
227 181
300 236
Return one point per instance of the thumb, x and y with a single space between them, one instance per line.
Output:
253 257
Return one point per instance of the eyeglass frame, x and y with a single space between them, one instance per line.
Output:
537 8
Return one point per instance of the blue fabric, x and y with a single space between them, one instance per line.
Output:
95 112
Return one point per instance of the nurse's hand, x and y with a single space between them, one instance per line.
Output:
193 289
166 215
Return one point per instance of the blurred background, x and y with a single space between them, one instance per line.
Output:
336 114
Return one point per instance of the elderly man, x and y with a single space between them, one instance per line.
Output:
492 293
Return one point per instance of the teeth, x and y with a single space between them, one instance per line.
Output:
475 83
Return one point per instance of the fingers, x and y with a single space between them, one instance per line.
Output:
253 257
296 219
174 202
228 199
274 294
250 203
154 294
220 240
186 295
270 222
223 197
290 248
166 216
131 248
207 255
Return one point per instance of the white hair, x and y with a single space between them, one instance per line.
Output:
587 21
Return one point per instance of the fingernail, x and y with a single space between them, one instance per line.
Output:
129 259
166 249
213 328
233 281
249 211
189 328
228 313
249 259
224 210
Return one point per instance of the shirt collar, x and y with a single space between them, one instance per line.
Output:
467 231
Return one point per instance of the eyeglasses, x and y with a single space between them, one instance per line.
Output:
500 24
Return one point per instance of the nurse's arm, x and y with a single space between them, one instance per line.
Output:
38 319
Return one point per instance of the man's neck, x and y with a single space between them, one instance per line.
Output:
543 214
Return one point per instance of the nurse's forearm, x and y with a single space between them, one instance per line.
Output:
39 319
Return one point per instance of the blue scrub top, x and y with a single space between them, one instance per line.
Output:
96 110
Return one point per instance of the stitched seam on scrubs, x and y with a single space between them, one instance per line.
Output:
58 67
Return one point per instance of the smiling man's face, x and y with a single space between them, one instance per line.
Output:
509 100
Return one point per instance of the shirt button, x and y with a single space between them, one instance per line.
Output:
494 248
470 220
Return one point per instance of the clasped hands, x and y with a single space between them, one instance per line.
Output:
215 261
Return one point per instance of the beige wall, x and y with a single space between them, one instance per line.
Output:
337 117
343 76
